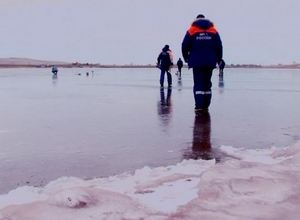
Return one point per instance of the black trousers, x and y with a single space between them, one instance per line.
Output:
162 77
202 86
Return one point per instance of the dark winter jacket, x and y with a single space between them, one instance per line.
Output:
164 60
202 45
179 63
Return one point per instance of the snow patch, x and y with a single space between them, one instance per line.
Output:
249 184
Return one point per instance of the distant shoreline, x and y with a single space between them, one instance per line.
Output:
12 66
34 63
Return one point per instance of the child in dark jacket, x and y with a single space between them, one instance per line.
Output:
165 62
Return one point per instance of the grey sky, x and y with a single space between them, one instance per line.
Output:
134 31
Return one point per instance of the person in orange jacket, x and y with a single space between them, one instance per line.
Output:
202 50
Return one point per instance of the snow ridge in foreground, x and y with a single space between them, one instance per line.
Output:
251 184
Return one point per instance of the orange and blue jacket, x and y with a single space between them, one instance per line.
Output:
202 45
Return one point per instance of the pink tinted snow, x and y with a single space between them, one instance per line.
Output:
251 184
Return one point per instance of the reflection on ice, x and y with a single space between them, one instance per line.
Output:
179 85
201 148
165 106
54 79
251 184
201 145
221 84
118 120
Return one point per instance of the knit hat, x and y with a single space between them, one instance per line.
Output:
166 48
200 16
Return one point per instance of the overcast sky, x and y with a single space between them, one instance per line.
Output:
134 31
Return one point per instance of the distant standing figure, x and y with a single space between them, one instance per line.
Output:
165 62
202 50
54 70
221 67
179 66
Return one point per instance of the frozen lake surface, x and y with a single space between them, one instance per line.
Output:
114 121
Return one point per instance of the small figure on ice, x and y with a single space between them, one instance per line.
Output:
179 66
221 65
54 70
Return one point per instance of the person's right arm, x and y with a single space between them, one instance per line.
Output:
185 47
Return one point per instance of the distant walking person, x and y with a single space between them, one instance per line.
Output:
202 50
54 70
221 67
165 62
179 66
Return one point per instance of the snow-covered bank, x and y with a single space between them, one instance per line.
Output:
250 184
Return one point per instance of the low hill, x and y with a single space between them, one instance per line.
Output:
13 61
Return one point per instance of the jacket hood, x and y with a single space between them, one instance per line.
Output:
203 23
165 49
